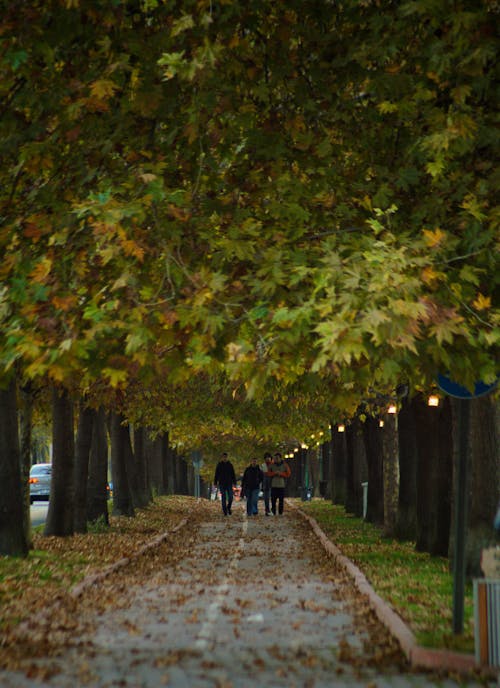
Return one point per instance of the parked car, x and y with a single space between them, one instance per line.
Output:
39 481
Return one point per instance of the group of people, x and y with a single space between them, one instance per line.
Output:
271 475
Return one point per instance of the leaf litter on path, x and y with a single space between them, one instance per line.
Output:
213 604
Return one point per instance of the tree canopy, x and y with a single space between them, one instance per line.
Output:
231 200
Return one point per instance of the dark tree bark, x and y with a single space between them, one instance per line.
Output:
167 477
154 458
61 504
374 457
143 494
390 473
13 542
339 461
295 480
183 475
26 431
314 470
325 485
120 441
434 475
132 471
357 471
82 457
483 478
407 505
177 472
97 498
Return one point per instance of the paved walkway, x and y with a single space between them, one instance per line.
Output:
225 603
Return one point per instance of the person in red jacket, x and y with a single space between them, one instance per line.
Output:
280 472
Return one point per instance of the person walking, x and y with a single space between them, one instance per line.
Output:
250 485
224 479
279 473
266 482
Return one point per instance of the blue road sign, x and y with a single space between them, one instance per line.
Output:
454 389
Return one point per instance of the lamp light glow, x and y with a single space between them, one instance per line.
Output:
341 428
433 400
381 423
392 409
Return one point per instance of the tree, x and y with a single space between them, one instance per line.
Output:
323 217
13 541
433 437
60 515
123 504
97 504
407 504
83 445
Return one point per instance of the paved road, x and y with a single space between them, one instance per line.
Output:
38 513
226 603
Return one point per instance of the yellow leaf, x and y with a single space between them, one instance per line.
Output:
482 303
115 376
434 237
429 275
103 89
42 270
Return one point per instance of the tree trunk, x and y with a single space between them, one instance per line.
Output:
374 457
326 474
295 480
391 473
13 542
434 475
142 463
167 478
120 439
154 457
26 428
183 475
483 478
357 471
82 458
407 506
314 470
61 504
132 472
339 459
97 497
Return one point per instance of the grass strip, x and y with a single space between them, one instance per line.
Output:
417 585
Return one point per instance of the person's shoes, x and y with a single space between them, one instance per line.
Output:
224 513
268 513
229 511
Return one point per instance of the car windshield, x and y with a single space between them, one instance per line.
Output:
41 470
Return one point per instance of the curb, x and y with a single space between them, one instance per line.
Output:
94 578
91 579
418 657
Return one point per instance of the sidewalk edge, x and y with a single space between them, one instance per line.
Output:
93 578
418 656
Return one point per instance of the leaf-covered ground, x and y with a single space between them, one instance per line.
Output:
29 586
218 603
419 587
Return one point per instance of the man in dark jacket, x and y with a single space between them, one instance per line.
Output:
250 485
224 479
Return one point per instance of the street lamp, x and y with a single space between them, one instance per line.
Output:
341 428
433 400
